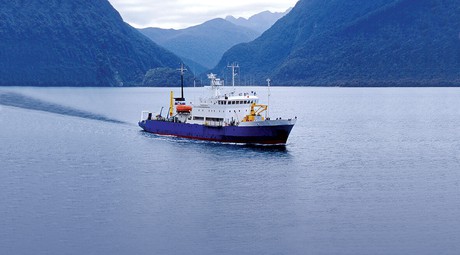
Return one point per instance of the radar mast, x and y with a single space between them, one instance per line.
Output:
233 66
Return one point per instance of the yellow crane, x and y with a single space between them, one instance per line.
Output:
256 110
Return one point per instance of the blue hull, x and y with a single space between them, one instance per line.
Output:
229 134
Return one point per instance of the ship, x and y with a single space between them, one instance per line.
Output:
232 117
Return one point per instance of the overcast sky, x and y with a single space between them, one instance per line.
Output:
185 13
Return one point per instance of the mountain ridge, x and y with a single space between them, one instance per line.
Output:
259 22
204 44
77 43
379 43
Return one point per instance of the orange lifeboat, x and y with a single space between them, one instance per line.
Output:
184 108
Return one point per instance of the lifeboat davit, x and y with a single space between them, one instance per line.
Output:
183 108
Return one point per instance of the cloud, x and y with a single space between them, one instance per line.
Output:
181 13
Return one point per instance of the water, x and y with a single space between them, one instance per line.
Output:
365 171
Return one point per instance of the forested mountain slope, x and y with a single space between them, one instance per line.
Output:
357 43
73 43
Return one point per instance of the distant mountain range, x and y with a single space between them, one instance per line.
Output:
201 47
357 43
73 43
320 43
259 22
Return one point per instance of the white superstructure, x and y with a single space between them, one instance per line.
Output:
222 116
219 108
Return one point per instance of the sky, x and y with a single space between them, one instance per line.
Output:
185 13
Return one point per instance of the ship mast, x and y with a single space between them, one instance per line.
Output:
182 70
233 66
268 105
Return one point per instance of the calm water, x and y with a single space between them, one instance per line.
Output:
366 171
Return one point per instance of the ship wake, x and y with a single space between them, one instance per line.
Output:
30 103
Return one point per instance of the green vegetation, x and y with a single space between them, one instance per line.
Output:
320 43
166 77
73 43
357 43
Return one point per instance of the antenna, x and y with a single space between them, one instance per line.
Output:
194 76
268 108
233 66
182 71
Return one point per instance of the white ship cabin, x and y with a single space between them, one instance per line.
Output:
220 108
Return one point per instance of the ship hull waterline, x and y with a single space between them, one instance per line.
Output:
257 134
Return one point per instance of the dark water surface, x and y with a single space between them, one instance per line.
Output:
366 171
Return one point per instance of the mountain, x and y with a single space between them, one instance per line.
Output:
357 43
204 44
259 22
73 43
